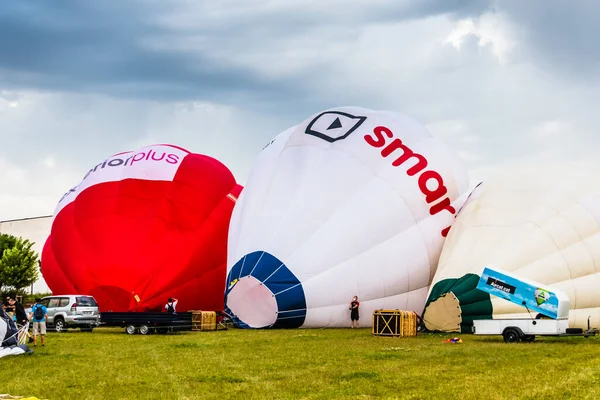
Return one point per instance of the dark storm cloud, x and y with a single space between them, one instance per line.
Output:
299 17
97 46
103 46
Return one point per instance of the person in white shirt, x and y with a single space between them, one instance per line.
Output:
171 305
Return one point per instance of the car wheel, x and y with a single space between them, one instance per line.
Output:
130 329
59 325
144 329
511 335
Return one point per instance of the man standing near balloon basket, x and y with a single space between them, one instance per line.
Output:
354 312
171 305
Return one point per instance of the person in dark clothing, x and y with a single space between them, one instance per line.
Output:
19 311
21 316
354 312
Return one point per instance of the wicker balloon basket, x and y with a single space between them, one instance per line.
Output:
204 320
396 323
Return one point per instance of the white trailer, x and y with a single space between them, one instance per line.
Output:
514 330
551 306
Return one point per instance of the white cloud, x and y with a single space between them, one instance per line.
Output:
49 162
32 190
492 29
552 128
6 104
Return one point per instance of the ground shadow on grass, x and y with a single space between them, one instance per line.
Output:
358 375
567 341
391 353
188 345
219 379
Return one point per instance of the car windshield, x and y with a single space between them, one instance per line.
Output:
86 302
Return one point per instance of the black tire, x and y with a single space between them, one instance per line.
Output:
511 335
130 329
528 338
144 329
59 324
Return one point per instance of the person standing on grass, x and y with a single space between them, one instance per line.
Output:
21 317
354 312
39 316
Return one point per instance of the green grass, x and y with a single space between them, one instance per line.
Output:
302 364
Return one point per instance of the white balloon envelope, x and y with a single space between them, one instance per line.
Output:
540 223
350 202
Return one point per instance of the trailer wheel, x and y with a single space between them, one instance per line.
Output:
144 329
130 329
511 335
528 338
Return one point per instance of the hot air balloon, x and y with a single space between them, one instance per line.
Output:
541 224
349 202
143 226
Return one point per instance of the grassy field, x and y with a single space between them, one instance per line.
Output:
301 364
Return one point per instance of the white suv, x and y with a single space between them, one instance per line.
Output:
72 311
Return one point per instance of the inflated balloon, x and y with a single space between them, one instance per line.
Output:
350 202
541 224
144 226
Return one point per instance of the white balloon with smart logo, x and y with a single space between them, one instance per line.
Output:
349 202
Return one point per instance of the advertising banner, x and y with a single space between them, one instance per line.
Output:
536 297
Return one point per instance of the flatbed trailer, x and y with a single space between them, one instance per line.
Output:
147 322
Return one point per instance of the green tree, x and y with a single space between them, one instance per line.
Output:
19 264
6 242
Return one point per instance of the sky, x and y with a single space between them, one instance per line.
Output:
507 83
